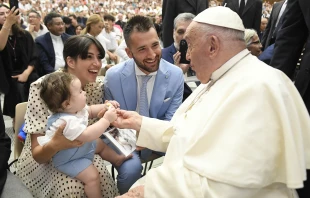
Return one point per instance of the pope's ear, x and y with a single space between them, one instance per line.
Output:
214 46
129 53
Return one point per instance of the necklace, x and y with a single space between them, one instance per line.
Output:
13 47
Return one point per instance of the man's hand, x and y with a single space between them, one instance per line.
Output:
128 120
113 57
31 28
176 59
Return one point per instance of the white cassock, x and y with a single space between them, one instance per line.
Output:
247 137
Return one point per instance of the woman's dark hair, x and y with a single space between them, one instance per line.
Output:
55 89
78 45
137 23
16 28
80 25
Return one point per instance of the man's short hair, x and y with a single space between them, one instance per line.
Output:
109 17
183 17
66 20
72 15
139 24
49 18
34 11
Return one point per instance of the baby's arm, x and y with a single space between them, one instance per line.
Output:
95 130
94 110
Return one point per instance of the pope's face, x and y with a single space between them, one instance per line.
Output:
197 52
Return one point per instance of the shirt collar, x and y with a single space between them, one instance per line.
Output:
54 37
228 65
141 73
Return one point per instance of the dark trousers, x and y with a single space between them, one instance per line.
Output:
305 191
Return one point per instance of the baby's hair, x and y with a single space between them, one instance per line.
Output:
55 89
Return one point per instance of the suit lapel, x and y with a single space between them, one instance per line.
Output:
129 85
50 45
277 10
160 89
248 4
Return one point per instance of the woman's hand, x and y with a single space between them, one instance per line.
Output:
12 17
60 142
43 154
23 77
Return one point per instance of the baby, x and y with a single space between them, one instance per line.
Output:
63 95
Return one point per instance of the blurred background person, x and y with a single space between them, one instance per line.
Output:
250 11
252 42
78 29
35 27
262 28
171 9
18 58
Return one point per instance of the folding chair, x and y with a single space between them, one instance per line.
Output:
20 112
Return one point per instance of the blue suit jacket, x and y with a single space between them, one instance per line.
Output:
46 54
121 85
167 54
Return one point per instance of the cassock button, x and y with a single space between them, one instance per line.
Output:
307 70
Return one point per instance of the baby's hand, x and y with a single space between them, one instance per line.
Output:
110 114
112 102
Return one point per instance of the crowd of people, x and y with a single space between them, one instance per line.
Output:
53 52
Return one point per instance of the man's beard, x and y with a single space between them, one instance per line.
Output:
141 65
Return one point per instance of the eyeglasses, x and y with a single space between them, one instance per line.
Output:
255 42
59 23
32 17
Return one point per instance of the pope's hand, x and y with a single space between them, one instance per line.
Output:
128 120
136 192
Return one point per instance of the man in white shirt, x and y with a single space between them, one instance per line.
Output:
109 33
50 45
244 132
35 28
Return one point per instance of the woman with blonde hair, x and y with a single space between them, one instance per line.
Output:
94 26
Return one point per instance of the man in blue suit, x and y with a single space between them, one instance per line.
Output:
158 97
49 46
171 53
